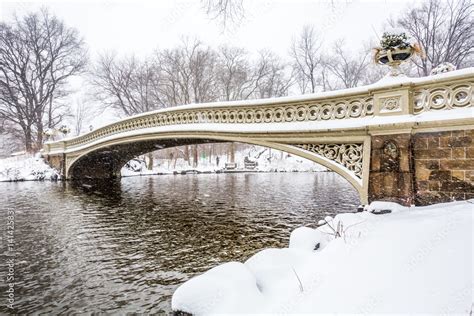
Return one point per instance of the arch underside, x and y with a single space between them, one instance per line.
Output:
105 160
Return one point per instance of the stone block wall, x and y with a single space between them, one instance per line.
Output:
391 172
422 168
444 166
57 162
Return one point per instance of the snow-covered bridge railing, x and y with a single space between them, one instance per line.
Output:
336 121
447 91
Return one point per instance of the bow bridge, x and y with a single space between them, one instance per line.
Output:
408 140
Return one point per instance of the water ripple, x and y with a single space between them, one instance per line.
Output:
126 246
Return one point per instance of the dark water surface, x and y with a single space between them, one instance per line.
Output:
125 246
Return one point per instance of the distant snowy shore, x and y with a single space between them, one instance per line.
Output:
34 168
278 163
413 260
26 168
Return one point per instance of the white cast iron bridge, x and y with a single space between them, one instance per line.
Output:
348 131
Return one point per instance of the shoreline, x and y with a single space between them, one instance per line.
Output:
345 264
171 173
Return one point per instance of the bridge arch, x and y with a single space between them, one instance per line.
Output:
105 159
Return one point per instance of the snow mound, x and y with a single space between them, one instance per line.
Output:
442 68
223 292
420 261
276 270
26 168
305 238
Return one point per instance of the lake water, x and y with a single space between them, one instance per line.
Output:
125 246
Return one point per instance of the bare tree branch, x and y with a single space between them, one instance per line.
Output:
444 31
38 54
306 55
347 66
225 11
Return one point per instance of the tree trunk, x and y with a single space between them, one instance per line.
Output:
150 161
170 156
195 156
28 140
211 147
232 152
50 113
186 154
39 137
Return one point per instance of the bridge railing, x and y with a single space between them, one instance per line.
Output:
406 96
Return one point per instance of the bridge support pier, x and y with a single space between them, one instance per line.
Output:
422 168
391 171
57 162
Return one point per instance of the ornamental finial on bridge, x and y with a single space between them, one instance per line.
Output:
395 48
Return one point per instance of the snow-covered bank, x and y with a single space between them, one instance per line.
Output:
26 168
33 167
275 162
417 260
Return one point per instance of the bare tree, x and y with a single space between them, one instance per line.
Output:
347 66
239 79
225 10
373 73
233 73
188 73
83 113
38 54
11 139
444 31
128 84
271 76
305 52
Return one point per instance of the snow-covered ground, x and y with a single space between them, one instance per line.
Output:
268 161
33 167
413 260
26 168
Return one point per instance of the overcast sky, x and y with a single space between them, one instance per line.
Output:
139 27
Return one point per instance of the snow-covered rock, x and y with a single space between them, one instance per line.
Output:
419 261
379 207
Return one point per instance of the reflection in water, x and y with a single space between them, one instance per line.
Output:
125 246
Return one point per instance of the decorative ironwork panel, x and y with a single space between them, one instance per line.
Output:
335 109
442 97
347 155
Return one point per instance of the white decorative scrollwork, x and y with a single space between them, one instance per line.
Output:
345 108
390 104
348 155
442 97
